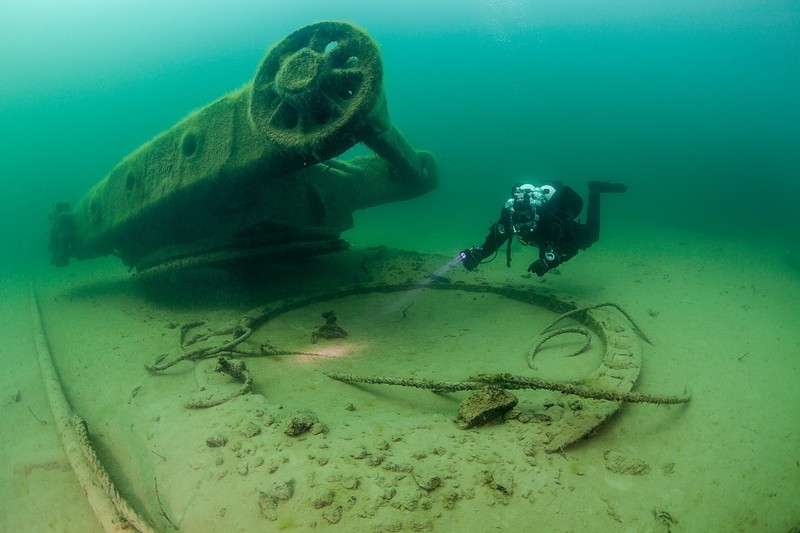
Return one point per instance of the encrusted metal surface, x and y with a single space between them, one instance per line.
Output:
251 173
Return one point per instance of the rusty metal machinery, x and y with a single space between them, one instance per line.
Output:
252 174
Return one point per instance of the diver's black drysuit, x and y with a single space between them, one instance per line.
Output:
550 225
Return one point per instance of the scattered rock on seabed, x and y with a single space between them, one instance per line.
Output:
268 502
621 464
301 421
503 480
426 479
484 405
216 441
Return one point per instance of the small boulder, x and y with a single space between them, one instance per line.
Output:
299 422
484 405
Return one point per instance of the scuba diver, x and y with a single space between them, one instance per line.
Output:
544 217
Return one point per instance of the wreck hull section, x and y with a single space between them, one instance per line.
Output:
253 170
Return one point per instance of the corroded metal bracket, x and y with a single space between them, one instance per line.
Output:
252 173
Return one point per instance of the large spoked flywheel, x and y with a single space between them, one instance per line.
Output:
315 88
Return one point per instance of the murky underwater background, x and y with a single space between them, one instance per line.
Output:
693 104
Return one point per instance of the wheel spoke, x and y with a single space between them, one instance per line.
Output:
320 114
270 95
305 125
335 108
343 84
338 56
285 116
320 41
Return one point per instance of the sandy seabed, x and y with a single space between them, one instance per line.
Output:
724 324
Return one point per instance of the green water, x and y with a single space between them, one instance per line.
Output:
693 104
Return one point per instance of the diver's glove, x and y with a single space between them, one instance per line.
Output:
542 265
471 257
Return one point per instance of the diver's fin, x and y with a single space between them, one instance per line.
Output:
606 186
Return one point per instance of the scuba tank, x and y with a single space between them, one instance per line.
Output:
523 210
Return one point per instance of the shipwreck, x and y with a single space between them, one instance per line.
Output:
255 174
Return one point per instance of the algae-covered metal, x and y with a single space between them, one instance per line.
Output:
252 174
